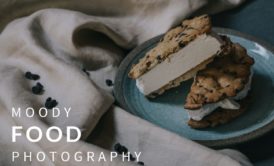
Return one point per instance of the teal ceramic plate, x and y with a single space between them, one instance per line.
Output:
167 110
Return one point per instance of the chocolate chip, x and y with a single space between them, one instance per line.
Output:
141 163
50 103
223 46
37 89
148 63
237 90
159 58
181 44
109 82
48 99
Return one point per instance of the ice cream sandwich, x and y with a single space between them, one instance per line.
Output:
222 72
219 92
182 52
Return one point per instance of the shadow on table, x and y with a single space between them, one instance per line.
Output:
259 149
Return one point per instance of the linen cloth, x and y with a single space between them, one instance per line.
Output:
57 44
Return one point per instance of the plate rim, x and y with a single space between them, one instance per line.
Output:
220 143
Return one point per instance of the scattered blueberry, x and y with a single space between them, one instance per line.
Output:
159 57
109 82
132 158
35 77
28 75
39 85
50 103
120 148
54 103
31 76
141 163
37 89
48 99
124 149
117 148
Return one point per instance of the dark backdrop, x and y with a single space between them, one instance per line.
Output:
255 17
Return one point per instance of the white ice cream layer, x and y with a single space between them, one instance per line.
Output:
200 49
228 103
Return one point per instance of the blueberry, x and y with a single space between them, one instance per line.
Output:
159 57
120 148
35 77
31 76
148 63
124 149
132 158
48 99
109 82
117 148
50 103
39 85
37 89
141 163
54 103
28 75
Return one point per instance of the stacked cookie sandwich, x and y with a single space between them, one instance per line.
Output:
221 71
219 92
